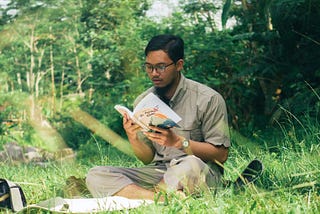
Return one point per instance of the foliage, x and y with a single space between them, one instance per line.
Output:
91 52
11 108
281 52
71 131
62 55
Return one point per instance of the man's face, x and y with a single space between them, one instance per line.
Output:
162 71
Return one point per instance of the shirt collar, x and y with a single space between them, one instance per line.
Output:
180 91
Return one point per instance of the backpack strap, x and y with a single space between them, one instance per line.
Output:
4 197
17 197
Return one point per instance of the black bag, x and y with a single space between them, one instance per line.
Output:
11 196
250 174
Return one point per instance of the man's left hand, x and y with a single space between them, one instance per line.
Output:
164 137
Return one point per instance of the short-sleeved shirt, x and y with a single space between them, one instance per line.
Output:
204 117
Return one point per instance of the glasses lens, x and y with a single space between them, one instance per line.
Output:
160 68
147 67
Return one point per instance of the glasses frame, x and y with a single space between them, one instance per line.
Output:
159 68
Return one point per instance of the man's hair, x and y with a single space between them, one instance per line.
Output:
172 45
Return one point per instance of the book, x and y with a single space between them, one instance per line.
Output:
151 110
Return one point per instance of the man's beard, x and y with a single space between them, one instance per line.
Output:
161 92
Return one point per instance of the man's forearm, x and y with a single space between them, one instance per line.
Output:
209 152
142 150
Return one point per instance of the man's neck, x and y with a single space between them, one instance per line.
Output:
166 93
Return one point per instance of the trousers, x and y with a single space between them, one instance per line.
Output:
186 173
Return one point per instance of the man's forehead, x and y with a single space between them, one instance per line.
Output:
158 56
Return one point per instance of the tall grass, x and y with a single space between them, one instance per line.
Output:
289 183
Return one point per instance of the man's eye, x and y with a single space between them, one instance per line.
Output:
161 66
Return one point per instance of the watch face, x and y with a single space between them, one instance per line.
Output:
185 143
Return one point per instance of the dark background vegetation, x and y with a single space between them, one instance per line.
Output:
57 56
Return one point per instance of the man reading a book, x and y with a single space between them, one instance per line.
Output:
182 159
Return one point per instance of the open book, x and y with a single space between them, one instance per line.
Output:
151 110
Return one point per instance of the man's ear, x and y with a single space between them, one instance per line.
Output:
179 64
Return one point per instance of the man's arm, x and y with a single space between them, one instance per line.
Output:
214 126
142 150
205 151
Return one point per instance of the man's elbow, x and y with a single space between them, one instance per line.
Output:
223 155
145 160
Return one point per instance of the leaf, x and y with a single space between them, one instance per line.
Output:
225 12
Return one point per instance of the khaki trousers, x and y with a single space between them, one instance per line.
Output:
187 173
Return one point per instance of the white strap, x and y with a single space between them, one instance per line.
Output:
16 199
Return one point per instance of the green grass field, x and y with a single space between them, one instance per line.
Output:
289 183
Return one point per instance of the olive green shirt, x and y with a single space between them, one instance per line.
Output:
204 117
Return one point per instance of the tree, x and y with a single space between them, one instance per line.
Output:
282 45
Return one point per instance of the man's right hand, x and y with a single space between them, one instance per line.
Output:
141 149
130 127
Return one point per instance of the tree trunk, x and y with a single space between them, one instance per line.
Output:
53 90
61 90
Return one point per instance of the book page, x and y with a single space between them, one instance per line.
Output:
151 110
154 102
122 109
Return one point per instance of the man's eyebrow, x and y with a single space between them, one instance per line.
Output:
159 63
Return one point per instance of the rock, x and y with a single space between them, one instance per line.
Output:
66 154
3 156
33 156
30 149
14 152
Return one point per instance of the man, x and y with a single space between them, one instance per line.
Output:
178 159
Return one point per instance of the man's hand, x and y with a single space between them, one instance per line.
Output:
164 137
203 150
143 152
130 127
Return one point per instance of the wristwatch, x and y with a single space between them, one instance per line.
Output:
185 144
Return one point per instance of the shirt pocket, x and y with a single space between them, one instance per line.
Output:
190 131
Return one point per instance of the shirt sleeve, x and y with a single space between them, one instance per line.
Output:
215 122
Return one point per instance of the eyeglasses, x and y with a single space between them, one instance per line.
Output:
160 68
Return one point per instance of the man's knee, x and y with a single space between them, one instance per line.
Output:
104 181
185 172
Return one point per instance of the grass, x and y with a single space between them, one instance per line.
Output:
289 183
